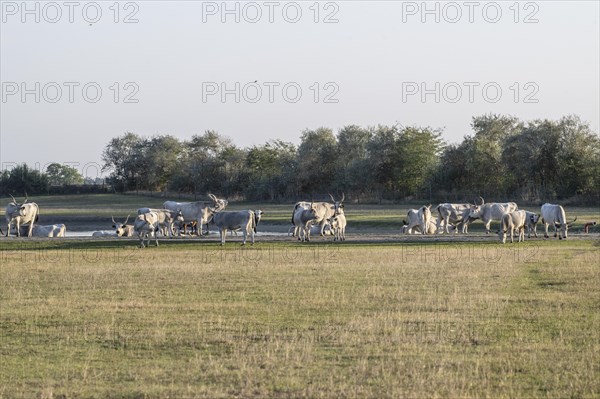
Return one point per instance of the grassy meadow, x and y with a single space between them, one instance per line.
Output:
84 318
102 319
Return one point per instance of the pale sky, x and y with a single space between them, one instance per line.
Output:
369 64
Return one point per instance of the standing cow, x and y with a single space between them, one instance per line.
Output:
531 223
20 214
511 222
167 219
146 226
197 211
233 220
338 224
303 220
555 214
491 211
453 215
323 210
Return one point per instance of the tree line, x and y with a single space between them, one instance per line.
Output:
503 158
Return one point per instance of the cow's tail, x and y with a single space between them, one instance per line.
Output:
293 213
254 221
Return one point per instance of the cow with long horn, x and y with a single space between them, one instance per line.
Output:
123 229
21 214
491 211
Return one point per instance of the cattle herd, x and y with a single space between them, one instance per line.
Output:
321 217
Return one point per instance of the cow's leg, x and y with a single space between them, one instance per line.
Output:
487 226
18 225
522 234
512 234
223 232
245 234
8 228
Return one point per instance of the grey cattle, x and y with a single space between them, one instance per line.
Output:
412 223
555 214
146 226
21 214
531 221
432 227
303 220
233 220
453 215
417 221
197 211
338 225
167 219
123 229
491 211
511 222
104 234
324 211
54 230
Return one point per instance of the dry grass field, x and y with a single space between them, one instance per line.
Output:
471 320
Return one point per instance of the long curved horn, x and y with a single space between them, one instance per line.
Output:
26 197
571 222
482 200
331 196
212 196
14 200
113 219
343 197
125 222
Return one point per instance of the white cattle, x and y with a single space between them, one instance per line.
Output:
412 224
531 221
324 211
338 225
453 215
491 211
419 221
197 211
425 218
146 226
21 214
54 230
104 234
555 214
303 220
123 229
167 219
234 220
511 222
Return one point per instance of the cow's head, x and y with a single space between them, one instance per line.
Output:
257 215
566 227
314 208
475 210
534 218
338 206
219 204
178 219
120 228
502 235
